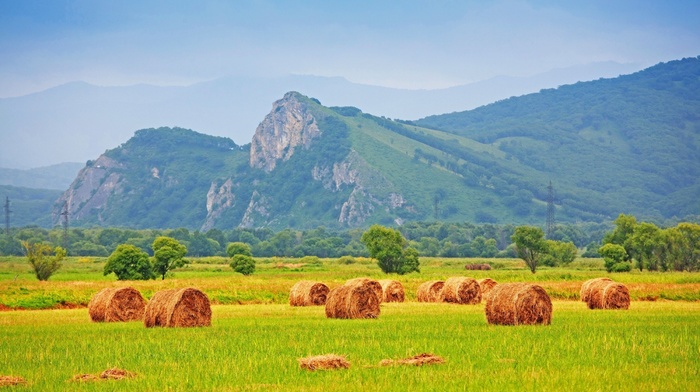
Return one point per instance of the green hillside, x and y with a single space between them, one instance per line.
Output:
29 206
629 144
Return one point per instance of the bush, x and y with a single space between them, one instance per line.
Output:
243 264
310 260
238 248
129 263
347 260
621 267
43 266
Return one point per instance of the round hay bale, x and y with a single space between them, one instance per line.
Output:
117 304
486 285
608 295
518 304
352 301
430 291
374 284
186 307
465 291
308 293
392 291
586 287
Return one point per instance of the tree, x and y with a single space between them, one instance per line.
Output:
390 249
613 255
38 257
238 248
129 263
690 247
559 252
243 264
642 245
168 254
530 245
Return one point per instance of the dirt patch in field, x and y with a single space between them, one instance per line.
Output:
5 308
289 265
109 374
417 360
324 362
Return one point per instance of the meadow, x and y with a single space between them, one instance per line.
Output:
655 345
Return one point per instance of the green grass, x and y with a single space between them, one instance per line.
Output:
652 346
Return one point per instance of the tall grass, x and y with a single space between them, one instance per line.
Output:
653 346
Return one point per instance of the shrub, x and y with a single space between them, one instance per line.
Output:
621 267
347 260
129 263
243 264
37 255
238 248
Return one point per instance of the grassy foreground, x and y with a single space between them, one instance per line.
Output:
651 347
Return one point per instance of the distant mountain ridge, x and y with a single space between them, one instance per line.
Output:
57 176
78 121
622 145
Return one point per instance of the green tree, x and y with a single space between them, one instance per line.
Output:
238 248
129 263
38 255
559 252
390 249
530 245
243 264
624 229
168 254
690 247
643 245
613 254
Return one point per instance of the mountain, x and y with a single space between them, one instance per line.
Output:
623 145
57 176
28 206
77 121
629 144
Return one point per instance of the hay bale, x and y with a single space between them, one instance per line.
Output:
478 267
586 287
606 294
324 362
116 374
186 307
518 304
11 380
416 360
486 285
374 284
461 290
353 300
308 293
117 304
392 290
430 291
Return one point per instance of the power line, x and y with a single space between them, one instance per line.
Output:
7 215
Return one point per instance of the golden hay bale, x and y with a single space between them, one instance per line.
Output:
430 291
486 285
324 362
186 307
374 284
308 293
608 295
11 380
586 287
353 300
518 304
417 360
465 291
117 304
392 290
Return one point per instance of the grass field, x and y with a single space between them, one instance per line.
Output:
653 346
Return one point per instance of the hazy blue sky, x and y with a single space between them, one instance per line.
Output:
406 44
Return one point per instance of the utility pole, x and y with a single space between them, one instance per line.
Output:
7 215
550 210
65 214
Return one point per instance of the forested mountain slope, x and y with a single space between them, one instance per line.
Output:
629 144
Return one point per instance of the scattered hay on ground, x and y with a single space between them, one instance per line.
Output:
6 381
186 307
308 293
461 290
324 362
486 285
430 291
116 374
606 294
117 304
374 284
417 360
85 377
586 287
392 290
353 300
478 267
518 304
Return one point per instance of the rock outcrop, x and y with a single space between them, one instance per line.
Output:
287 127
219 199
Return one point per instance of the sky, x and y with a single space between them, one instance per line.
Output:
405 44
